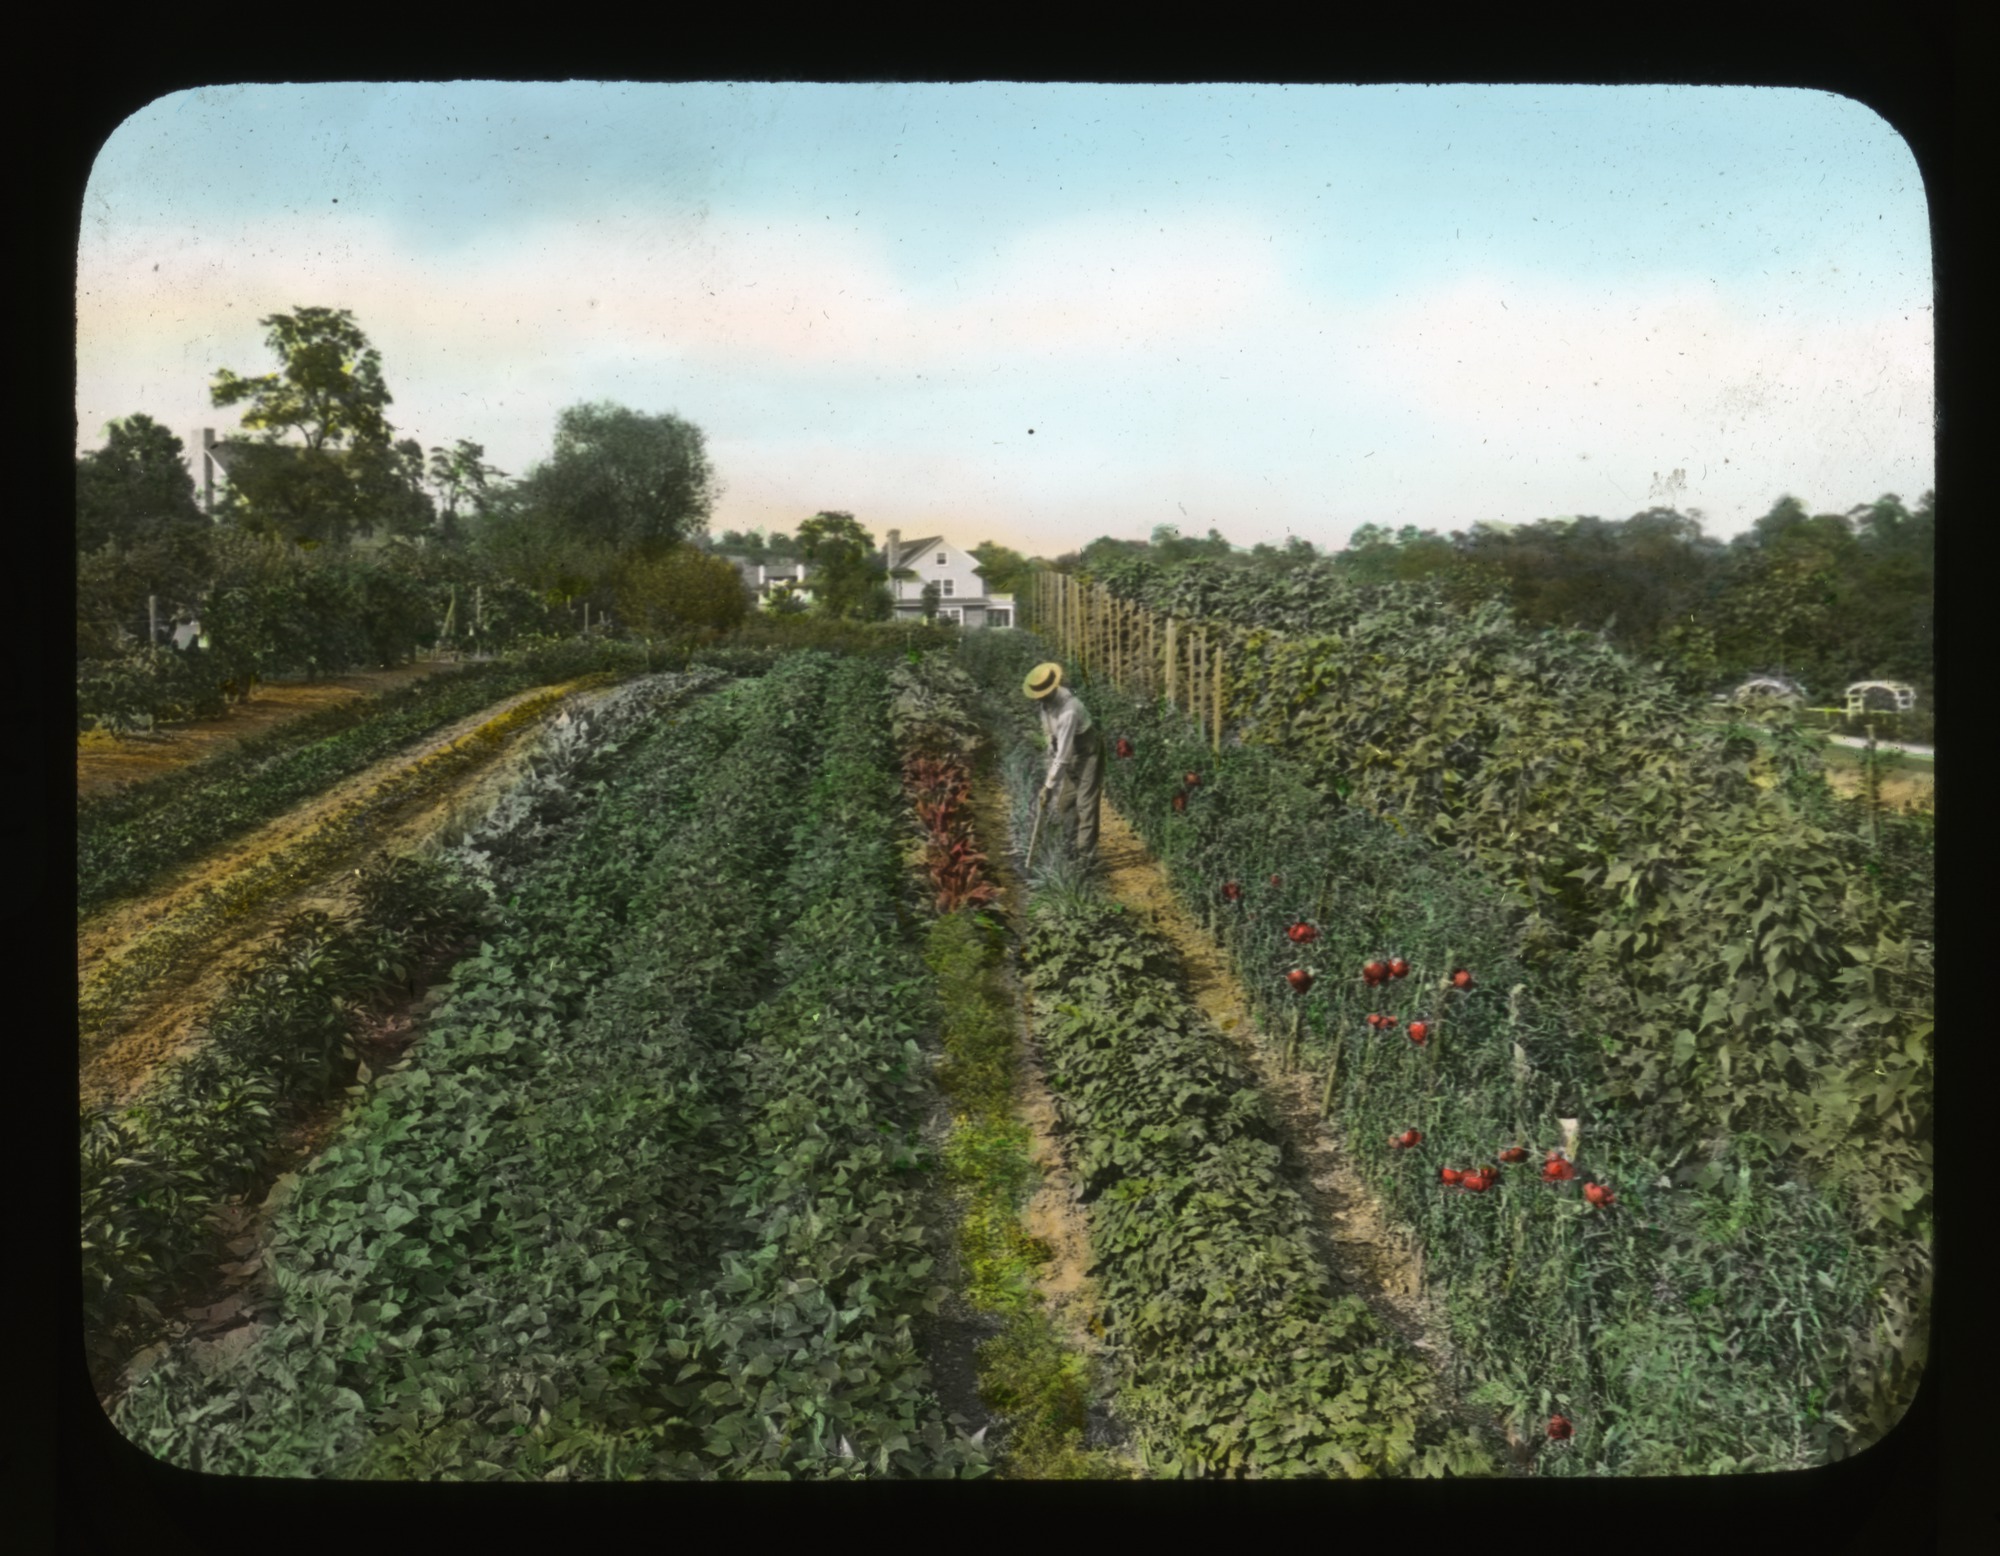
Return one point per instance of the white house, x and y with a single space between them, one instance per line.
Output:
962 596
763 582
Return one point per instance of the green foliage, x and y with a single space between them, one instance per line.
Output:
328 389
346 474
1240 1360
622 479
1548 1300
705 985
281 1040
133 487
679 589
128 839
847 583
1004 570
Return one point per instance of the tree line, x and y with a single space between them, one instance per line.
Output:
1819 599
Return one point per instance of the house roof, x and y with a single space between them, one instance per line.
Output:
910 548
224 453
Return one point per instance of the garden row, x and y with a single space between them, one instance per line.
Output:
1758 958
292 1033
650 1200
1236 1356
1026 1368
1708 1316
128 839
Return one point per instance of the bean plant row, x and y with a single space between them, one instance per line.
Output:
648 1203
1708 1320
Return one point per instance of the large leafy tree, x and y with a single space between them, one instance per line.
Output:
680 588
1004 569
621 478
328 391
135 486
846 581
324 464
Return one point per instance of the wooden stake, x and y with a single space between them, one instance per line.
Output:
1215 718
1172 656
1332 1074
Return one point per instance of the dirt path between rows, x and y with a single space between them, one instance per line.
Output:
149 974
1054 1215
105 761
1365 1251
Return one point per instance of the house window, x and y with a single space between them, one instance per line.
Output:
941 560
944 586
952 613
999 618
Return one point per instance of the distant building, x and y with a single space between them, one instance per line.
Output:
763 582
962 596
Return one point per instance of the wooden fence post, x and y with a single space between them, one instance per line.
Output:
152 619
1171 655
1216 718
1198 703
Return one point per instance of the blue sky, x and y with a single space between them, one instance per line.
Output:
1270 310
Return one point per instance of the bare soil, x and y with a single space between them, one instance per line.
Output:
107 761
164 1018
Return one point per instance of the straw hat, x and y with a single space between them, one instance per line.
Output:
1043 679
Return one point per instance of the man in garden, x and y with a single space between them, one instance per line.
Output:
1076 757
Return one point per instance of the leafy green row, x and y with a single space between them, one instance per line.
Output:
153 1172
1242 1361
453 1144
128 839
282 1041
596 1157
1762 955
803 1360
1709 1321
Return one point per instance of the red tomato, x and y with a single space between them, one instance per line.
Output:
1299 979
1399 968
1461 979
1559 1428
1598 1194
1180 801
1124 746
1374 972
1450 1174
1556 1169
1514 1153
1476 1182
1191 779
1231 892
1420 1031
1277 881
1409 1137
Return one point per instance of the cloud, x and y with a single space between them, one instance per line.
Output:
1194 366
